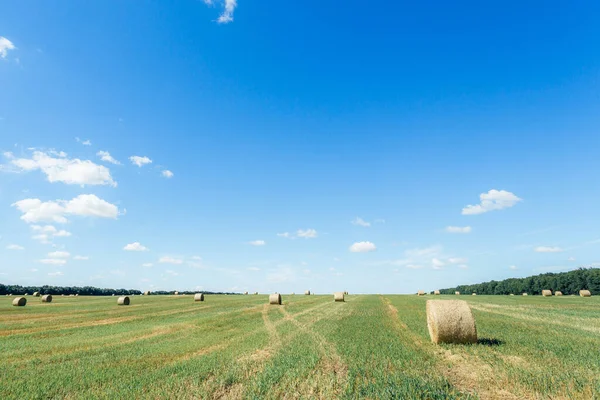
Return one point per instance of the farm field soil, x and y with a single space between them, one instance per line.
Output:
370 346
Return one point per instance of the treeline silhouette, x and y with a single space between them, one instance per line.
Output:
567 282
82 291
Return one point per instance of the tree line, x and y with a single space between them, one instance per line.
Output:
82 291
567 282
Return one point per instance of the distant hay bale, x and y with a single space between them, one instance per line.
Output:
338 296
275 298
420 293
512 294
450 321
436 292
77 295
19 301
199 297
36 294
307 293
546 293
474 294
26 294
245 292
558 293
255 293
71 295
176 293
524 294
123 301
47 298
147 293
112 294
457 293
585 293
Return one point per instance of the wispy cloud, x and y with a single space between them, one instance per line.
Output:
135 246
548 249
106 157
458 229
227 15
14 247
140 161
167 174
360 222
5 46
257 243
492 200
170 260
306 233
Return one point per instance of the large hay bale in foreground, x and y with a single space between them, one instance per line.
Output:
457 293
585 293
36 294
123 301
338 296
436 292
307 293
546 293
19 301
275 298
420 293
450 321
47 298
199 297
558 293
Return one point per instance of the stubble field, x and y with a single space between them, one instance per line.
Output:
371 346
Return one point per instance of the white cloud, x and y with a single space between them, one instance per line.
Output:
458 229
227 15
54 261
135 246
257 243
170 260
57 273
59 254
492 200
307 234
457 260
69 171
84 142
513 267
380 221
253 269
437 263
14 247
362 247
85 205
81 258
106 157
5 45
45 233
548 249
285 235
414 266
167 174
147 265
571 259
171 272
140 161
360 222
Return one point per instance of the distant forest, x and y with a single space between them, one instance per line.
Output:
82 291
567 282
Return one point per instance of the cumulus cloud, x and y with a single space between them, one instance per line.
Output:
307 233
362 247
167 174
492 200
257 243
54 261
458 229
59 168
548 249
360 222
135 246
170 260
84 205
14 247
106 157
44 234
140 161
5 46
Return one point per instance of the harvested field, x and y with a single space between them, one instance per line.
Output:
239 347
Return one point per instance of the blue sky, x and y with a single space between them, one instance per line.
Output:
297 146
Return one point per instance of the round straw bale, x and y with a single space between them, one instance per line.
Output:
420 293
123 301
147 293
176 293
255 293
524 294
474 294
26 294
47 298
338 296
19 301
512 294
71 295
307 293
457 293
585 293
245 292
436 292
558 293
450 321
77 295
275 298
199 297
36 294
546 293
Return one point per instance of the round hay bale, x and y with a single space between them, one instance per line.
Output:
436 292
47 298
420 293
71 295
245 293
147 293
36 294
558 293
255 293
474 294
176 293
19 301
338 296
123 301
524 294
585 293
199 297
26 294
307 293
512 294
457 293
275 298
546 293
450 321
77 295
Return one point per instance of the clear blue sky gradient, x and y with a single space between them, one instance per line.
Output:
305 116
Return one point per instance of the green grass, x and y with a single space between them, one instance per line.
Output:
371 346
